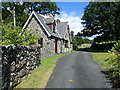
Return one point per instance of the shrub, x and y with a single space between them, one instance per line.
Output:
115 64
17 36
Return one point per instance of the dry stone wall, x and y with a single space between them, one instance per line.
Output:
17 62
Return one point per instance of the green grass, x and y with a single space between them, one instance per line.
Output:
40 76
84 45
107 65
101 59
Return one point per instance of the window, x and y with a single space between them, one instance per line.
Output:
40 41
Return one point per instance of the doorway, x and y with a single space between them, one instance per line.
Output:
56 46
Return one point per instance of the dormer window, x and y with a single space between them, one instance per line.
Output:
50 21
50 26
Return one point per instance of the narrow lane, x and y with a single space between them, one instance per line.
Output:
78 70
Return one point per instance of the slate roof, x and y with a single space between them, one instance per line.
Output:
49 20
61 28
42 19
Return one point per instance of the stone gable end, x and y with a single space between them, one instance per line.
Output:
48 47
36 28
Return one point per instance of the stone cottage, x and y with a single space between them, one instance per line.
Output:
55 35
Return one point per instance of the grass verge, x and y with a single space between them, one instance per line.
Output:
40 76
107 65
84 46
101 59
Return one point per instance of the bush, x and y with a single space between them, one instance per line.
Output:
75 46
17 36
115 64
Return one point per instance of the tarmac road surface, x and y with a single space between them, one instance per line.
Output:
78 70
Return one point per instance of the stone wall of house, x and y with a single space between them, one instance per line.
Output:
66 49
63 46
36 28
17 62
48 48
59 46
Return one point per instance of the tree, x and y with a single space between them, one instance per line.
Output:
24 9
74 41
102 19
49 8
79 39
115 64
8 9
17 36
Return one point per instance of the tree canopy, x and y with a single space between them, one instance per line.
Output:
78 40
25 8
14 34
102 19
17 36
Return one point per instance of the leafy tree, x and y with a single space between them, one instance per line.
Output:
115 64
86 41
24 9
7 12
74 41
43 7
102 19
17 36
81 40
75 46
78 40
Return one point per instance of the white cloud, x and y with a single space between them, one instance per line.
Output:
74 21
